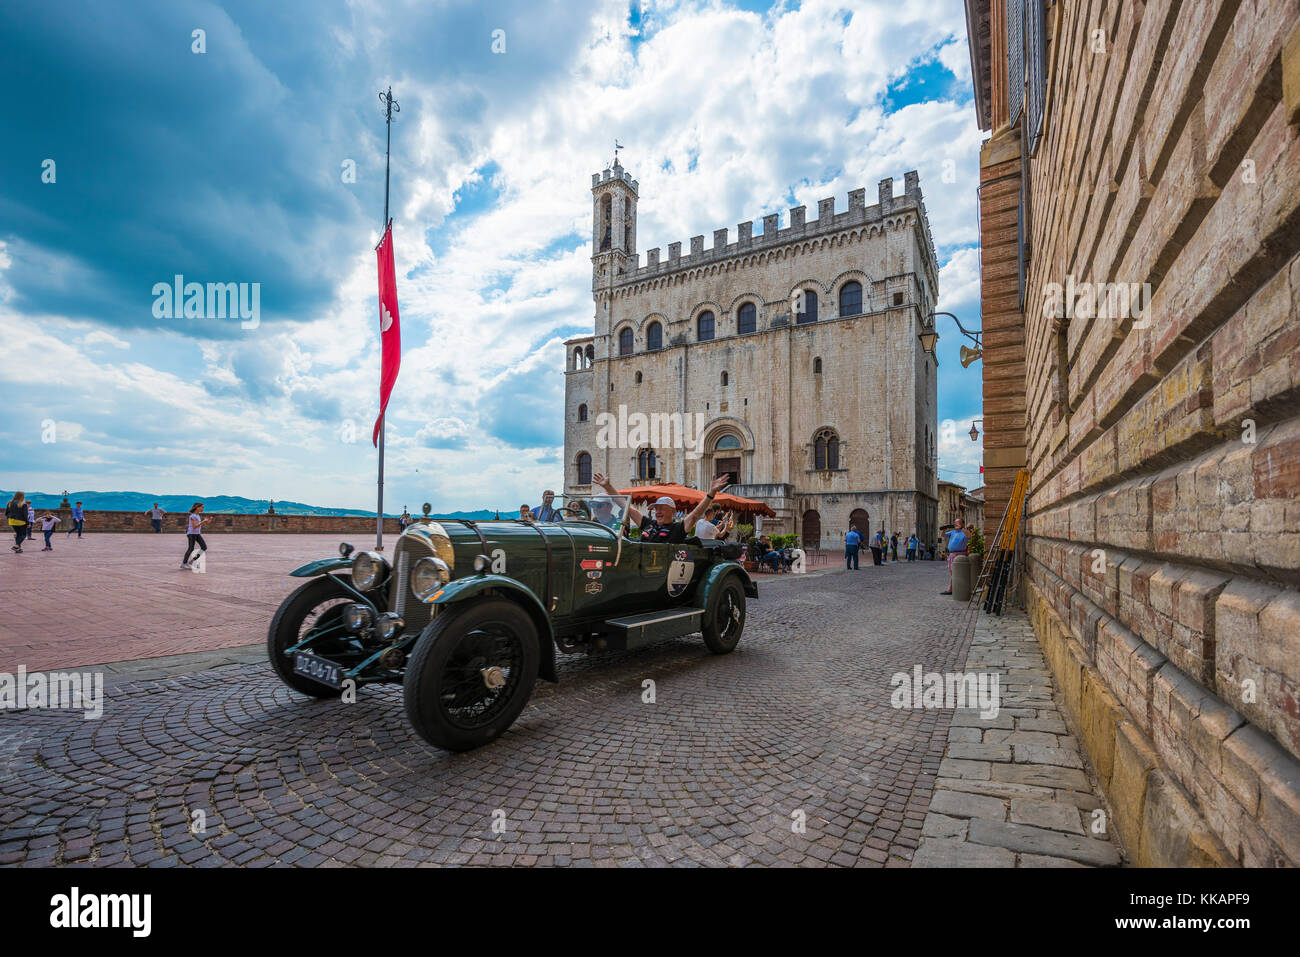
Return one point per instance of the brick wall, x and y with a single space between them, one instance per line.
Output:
1164 512
104 521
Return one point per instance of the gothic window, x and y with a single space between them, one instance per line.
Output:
584 468
724 378
577 358
705 326
727 442
851 299
806 305
654 337
638 378
625 342
582 412
606 219
747 318
627 224
591 354
817 366
826 450
646 464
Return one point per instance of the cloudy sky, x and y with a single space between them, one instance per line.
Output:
129 157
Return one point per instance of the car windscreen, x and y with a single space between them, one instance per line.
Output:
606 510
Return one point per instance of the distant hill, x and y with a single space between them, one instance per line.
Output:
225 504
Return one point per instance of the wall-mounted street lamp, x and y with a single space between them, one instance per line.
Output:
974 432
929 337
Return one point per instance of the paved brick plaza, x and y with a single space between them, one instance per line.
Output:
712 773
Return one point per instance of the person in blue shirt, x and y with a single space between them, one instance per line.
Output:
78 520
546 512
912 542
852 542
956 540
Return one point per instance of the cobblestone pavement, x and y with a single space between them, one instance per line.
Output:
1014 789
735 754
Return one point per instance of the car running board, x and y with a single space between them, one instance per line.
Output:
638 630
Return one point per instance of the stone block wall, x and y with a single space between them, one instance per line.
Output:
1163 548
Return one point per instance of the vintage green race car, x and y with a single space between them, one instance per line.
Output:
468 614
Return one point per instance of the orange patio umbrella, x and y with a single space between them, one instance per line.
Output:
685 497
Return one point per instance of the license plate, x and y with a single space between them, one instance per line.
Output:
317 669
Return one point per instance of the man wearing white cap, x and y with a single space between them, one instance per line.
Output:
659 525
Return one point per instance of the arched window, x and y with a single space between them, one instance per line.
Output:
584 468
646 464
851 299
591 354
577 358
806 304
582 412
625 342
747 318
606 219
638 378
727 442
817 365
826 450
704 325
654 337
724 378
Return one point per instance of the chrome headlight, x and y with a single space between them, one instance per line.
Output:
482 563
428 576
357 618
369 569
388 626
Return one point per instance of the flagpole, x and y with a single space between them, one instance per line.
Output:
389 106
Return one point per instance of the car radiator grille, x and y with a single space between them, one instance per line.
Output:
414 613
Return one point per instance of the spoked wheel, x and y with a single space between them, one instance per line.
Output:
726 617
314 609
471 674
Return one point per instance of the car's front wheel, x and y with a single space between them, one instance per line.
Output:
471 674
314 610
726 616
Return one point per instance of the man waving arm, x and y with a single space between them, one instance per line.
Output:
719 483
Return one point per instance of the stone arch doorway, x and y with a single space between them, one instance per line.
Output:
811 534
859 519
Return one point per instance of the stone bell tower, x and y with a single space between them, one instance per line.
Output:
613 218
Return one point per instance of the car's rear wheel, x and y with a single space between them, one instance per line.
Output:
314 608
471 674
726 616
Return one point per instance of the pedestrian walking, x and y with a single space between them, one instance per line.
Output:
155 517
31 520
48 521
957 540
78 520
16 513
852 544
912 543
404 520
876 558
893 546
194 535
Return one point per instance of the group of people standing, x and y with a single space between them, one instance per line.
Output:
22 518
882 549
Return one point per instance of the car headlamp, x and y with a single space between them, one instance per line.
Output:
369 569
428 576
388 626
357 618
482 563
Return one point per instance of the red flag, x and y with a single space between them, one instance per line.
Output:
389 332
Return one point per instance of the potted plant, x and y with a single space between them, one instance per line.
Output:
975 551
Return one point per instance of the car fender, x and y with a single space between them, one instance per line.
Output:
320 567
714 577
466 589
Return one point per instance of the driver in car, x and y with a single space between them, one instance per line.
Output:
659 525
